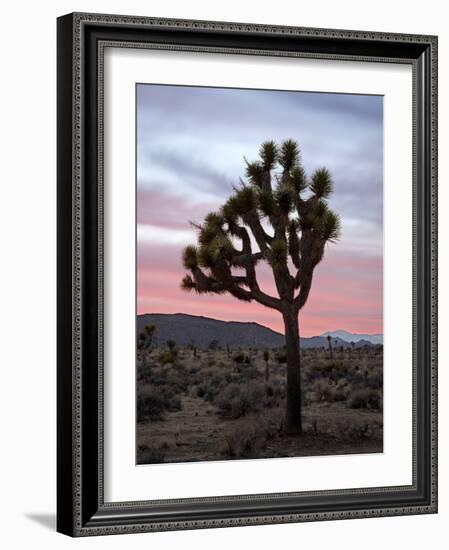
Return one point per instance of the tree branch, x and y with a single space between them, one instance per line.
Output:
303 294
293 245
243 259
265 299
251 219
269 198
248 260
204 283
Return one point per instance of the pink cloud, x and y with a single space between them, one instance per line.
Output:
162 209
347 293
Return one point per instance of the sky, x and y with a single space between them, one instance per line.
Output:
191 145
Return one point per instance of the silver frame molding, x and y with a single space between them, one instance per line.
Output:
81 42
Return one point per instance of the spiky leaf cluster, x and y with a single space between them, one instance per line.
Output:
277 255
270 209
254 173
269 154
243 201
330 227
298 179
321 184
266 203
187 283
228 212
189 257
285 199
289 155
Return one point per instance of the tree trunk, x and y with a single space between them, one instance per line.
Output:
293 413
331 355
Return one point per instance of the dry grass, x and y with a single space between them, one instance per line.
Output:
217 404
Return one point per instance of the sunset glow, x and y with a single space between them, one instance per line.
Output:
190 147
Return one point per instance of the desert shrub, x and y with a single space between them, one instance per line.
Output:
374 380
171 344
356 377
211 387
361 431
165 444
144 371
215 384
274 392
241 357
214 345
337 366
171 398
281 356
249 372
151 455
243 442
340 395
228 377
158 377
333 370
271 422
152 402
236 400
194 369
323 390
150 405
365 398
178 378
167 357
311 373
249 439
353 430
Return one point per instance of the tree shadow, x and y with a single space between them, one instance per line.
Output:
46 520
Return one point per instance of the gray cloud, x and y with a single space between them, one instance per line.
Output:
189 170
194 140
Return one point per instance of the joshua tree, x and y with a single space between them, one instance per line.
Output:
213 345
329 342
171 344
146 336
286 215
266 357
145 341
192 347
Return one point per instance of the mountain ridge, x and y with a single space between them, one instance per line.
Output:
354 336
186 329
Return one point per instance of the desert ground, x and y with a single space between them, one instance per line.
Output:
218 404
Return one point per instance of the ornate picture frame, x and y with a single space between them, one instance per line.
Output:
81 507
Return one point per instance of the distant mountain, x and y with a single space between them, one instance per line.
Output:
192 329
186 329
321 342
352 337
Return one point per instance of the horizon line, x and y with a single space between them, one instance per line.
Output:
260 324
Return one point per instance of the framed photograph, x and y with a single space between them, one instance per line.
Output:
247 278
